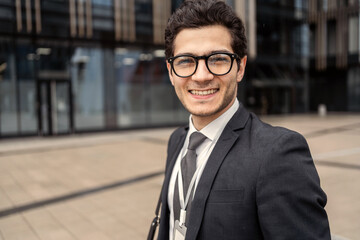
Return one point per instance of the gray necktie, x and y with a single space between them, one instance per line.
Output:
188 167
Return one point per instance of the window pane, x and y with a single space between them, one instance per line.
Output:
107 3
331 38
62 107
55 18
353 34
145 94
28 117
129 74
87 73
26 62
8 113
164 107
354 89
8 117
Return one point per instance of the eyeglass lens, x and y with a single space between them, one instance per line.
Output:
218 64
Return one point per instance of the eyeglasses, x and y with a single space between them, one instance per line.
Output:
217 63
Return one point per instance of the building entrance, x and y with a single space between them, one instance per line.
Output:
54 111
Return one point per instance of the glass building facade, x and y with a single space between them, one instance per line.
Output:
334 67
69 66
84 65
278 75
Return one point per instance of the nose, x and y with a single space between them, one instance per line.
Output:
202 72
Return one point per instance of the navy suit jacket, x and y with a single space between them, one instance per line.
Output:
260 182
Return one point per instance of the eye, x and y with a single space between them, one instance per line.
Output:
184 61
219 59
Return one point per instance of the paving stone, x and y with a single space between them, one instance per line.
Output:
40 169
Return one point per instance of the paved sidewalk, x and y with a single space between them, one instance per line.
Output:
106 185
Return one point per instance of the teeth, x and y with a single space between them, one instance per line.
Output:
203 93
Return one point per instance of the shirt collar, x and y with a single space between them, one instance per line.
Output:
213 130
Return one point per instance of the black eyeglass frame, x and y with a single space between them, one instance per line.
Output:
205 57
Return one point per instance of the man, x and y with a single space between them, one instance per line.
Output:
249 180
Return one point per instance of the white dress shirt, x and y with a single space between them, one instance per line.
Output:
212 131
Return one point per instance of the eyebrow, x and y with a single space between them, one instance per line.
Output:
206 54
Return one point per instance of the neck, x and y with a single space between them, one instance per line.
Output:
202 121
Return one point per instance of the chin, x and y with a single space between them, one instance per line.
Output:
203 112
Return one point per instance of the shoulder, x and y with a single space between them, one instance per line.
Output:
260 143
248 124
176 136
175 140
281 152
267 134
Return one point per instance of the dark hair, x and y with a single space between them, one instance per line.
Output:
202 13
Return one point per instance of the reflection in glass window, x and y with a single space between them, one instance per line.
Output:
164 104
107 3
18 96
87 73
301 43
55 18
145 94
62 107
143 20
8 113
28 117
353 34
26 61
129 74
103 17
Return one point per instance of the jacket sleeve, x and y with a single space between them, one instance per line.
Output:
289 198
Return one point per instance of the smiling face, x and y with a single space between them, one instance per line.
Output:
204 95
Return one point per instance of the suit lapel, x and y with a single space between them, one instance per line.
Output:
172 159
221 149
173 154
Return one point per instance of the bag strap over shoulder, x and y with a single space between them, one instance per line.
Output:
156 221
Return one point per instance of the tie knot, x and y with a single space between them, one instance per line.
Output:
196 138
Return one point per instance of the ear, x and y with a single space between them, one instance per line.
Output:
241 71
170 73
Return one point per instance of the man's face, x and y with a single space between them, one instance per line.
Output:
204 95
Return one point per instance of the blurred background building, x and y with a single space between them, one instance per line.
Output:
70 66
334 54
